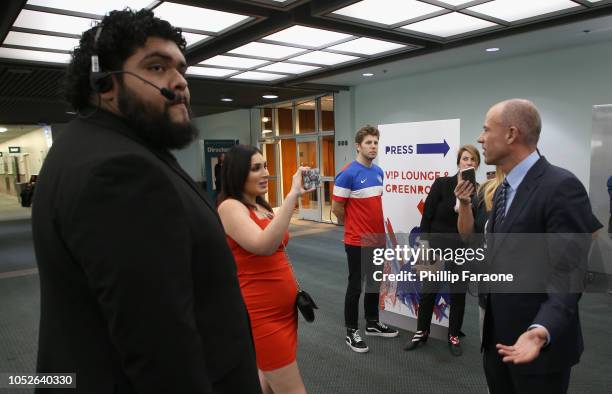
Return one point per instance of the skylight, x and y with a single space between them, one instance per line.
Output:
209 71
53 22
307 36
41 41
91 6
367 46
513 10
324 58
197 18
38 56
258 76
233 61
449 25
289 68
270 51
387 12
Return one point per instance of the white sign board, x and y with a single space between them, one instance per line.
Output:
412 156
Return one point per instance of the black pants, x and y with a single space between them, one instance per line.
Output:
502 379
360 267
457 300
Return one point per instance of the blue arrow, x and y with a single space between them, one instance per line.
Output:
427 149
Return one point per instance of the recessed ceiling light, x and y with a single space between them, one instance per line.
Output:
324 58
290 68
3 129
233 61
227 99
448 25
41 41
271 51
198 18
389 13
270 96
258 76
494 49
367 46
53 22
265 119
368 74
91 7
513 10
37 56
209 71
307 36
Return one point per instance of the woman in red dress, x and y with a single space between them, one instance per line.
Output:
257 237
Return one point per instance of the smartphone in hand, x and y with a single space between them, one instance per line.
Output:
469 174
311 178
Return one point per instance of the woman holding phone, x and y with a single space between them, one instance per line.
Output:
257 237
474 210
439 228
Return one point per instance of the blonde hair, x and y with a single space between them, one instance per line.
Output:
487 189
471 149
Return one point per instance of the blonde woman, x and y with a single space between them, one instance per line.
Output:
474 210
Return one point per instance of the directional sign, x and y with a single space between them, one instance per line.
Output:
429 149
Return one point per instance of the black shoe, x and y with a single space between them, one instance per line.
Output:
354 341
378 329
419 338
455 346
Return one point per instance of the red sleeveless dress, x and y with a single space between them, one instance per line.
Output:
269 290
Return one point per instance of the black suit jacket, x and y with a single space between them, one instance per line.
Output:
139 292
551 201
439 220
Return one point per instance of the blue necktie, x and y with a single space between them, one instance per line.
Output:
500 205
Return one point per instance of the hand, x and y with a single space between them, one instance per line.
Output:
464 191
296 182
526 349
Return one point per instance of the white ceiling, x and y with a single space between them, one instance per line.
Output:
521 44
15 131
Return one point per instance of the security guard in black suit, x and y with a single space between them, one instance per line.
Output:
139 292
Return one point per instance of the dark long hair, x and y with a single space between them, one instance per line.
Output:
234 173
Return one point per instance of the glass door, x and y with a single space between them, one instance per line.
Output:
308 156
270 153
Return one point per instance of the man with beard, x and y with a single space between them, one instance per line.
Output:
139 292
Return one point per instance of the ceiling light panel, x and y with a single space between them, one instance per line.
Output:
455 3
38 56
367 46
91 6
53 22
41 41
288 68
324 58
210 71
257 76
192 38
514 10
197 18
233 61
449 25
387 12
270 51
307 36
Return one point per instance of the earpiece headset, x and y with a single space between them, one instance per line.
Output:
101 82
